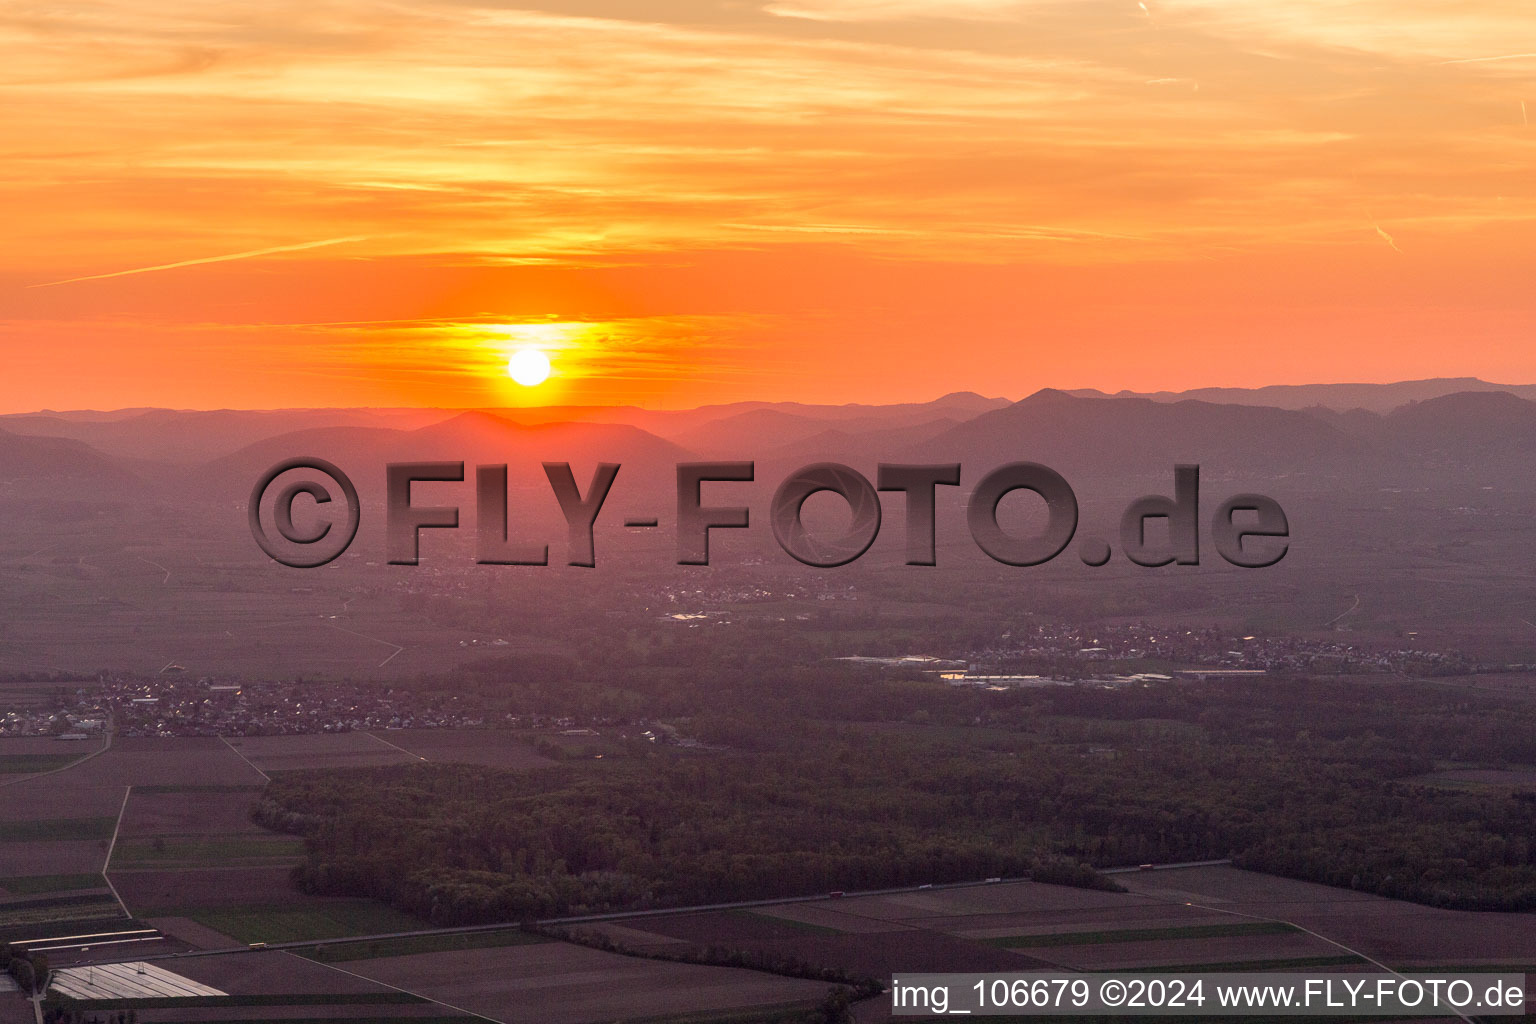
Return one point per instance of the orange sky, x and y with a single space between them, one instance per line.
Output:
351 202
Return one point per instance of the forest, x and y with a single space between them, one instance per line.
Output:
838 779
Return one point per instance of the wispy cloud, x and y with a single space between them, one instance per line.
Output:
537 137
1411 30
226 258
896 10
1491 60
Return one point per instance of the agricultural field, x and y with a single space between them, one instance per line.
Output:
1209 918
186 859
167 891
194 851
303 919
491 747
189 810
53 843
1200 918
545 981
36 885
1400 934
24 916
21 756
196 827
373 949
268 986
162 805
34 764
163 761
559 983
319 750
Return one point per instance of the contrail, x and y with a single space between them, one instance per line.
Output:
210 259
1487 60
1386 237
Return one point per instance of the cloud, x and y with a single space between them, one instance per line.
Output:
1426 31
896 10
200 261
983 134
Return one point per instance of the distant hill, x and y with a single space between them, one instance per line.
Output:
784 420
1379 398
749 434
1130 436
194 436
1486 435
175 435
744 431
472 438
43 460
1482 437
959 404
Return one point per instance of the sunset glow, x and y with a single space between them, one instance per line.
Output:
346 203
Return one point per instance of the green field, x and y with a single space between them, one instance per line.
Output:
373 950
76 925
206 851
25 764
45 829
22 915
33 885
1194 931
789 923
298 924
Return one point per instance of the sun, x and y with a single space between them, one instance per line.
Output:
529 367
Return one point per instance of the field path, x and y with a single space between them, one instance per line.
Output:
231 746
397 988
112 845
1308 931
365 636
1345 612
397 746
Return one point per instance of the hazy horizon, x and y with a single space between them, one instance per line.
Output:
962 392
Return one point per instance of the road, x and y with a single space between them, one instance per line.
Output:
1165 867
